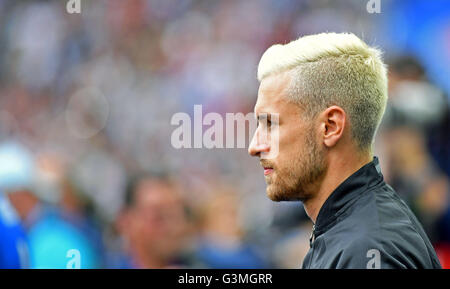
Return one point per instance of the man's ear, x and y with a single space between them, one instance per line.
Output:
332 121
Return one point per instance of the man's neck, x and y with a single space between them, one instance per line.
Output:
337 172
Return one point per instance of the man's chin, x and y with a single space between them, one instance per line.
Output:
278 194
272 197
275 195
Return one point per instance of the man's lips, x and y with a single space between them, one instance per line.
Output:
267 170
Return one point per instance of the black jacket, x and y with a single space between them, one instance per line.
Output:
364 224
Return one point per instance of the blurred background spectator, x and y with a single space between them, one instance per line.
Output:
86 101
222 243
153 225
52 229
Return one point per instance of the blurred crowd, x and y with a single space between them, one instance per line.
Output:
86 161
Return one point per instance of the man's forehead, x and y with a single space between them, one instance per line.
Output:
272 93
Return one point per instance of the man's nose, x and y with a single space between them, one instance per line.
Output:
257 146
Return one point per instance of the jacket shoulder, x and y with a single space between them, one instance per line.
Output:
383 233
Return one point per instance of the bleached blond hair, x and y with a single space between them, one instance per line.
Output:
333 69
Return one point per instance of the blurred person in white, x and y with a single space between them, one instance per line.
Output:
153 225
413 138
413 100
50 234
330 92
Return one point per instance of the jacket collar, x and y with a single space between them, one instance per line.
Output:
362 180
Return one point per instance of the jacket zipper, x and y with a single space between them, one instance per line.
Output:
312 237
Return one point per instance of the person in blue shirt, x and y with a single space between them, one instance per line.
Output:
54 240
13 242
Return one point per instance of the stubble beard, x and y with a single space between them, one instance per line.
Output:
296 181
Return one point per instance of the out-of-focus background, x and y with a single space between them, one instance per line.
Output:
88 175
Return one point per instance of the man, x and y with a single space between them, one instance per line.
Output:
329 92
153 224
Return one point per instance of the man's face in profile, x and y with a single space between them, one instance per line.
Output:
301 159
